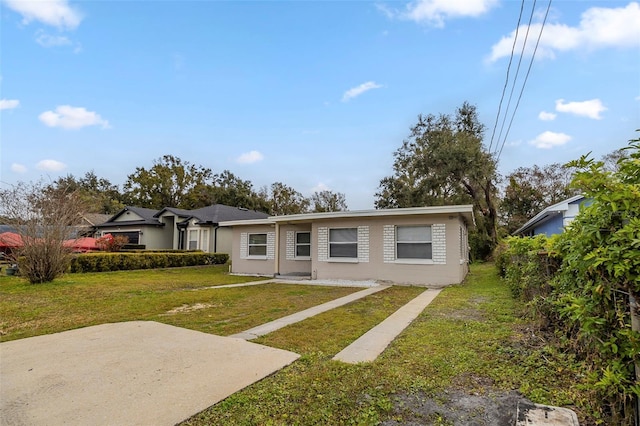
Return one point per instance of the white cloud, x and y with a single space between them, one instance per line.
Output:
599 27
250 157
591 108
57 13
435 12
548 140
51 166
319 188
18 168
637 98
547 116
69 117
359 90
9 103
47 40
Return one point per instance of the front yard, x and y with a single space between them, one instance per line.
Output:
469 345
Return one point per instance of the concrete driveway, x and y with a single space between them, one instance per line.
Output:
132 373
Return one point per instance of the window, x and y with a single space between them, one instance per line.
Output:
343 243
413 242
193 239
133 237
204 240
303 244
257 244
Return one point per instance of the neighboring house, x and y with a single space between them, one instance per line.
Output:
553 219
179 229
88 222
422 245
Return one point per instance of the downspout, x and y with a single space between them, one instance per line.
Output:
276 268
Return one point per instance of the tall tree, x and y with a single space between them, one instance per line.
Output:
328 201
170 182
531 189
286 200
99 195
444 162
230 190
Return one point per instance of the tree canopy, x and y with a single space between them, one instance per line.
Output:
530 190
443 161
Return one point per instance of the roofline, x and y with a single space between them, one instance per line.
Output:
308 217
554 208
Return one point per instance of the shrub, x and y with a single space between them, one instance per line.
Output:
104 262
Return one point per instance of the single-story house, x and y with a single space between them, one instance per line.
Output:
421 245
553 219
178 229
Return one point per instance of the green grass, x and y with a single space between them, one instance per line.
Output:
80 300
467 339
470 338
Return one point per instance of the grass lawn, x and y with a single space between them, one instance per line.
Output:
80 300
469 342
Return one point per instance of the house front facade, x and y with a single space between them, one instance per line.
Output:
424 245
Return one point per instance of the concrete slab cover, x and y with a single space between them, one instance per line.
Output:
371 344
529 414
133 373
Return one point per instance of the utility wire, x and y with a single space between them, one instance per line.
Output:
525 78
515 78
506 81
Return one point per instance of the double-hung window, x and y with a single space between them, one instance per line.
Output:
413 242
343 243
258 245
303 244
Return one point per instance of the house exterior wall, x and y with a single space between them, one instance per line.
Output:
550 227
224 240
152 237
376 254
241 262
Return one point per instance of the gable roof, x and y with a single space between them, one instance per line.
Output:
466 211
147 216
215 214
548 214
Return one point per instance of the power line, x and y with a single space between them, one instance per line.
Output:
506 81
515 78
525 78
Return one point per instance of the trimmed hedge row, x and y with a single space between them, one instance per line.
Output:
105 262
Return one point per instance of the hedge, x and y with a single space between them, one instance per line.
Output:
122 261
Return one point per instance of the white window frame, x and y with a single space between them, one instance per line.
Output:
342 258
265 245
190 233
296 244
413 259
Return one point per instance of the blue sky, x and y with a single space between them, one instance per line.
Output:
314 94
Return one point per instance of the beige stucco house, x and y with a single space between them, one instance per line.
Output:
422 245
177 229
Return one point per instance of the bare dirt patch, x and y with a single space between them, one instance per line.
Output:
189 308
457 408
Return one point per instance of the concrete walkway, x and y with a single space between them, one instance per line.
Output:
269 327
371 344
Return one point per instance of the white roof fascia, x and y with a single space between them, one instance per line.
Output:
265 221
562 206
410 211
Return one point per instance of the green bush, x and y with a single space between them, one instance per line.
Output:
123 261
586 300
